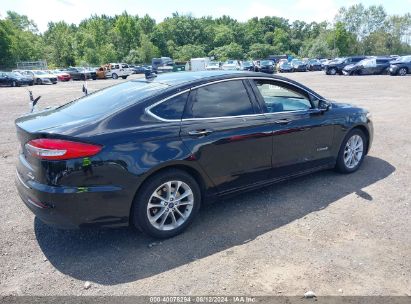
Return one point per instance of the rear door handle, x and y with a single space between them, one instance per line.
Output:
202 132
284 121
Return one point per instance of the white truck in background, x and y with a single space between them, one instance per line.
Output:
199 64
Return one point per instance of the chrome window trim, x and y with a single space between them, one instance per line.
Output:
148 109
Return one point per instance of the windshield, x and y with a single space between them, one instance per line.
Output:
247 63
284 63
15 74
111 99
40 73
338 60
230 62
212 63
266 62
297 62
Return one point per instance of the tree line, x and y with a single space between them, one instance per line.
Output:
134 39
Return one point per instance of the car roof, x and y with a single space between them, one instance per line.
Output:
175 80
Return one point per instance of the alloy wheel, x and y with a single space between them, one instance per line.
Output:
333 71
402 72
170 205
353 151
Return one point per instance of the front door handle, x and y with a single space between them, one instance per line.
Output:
284 121
202 132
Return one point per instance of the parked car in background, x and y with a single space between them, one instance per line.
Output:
61 76
369 66
78 73
280 61
140 69
231 65
324 62
247 66
42 77
266 66
336 66
14 79
285 66
401 66
314 65
298 65
92 71
149 153
213 66
162 64
116 70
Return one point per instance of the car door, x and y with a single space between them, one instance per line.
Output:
302 133
381 66
226 134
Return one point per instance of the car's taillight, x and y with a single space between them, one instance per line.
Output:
58 149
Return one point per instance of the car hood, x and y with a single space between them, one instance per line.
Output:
341 105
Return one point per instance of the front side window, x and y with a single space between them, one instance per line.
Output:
172 108
228 98
279 98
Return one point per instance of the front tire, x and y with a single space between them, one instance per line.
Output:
38 81
124 77
115 76
352 152
402 71
332 71
166 204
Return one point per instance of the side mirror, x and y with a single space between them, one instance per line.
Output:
323 105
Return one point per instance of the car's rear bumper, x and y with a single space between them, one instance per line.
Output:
74 207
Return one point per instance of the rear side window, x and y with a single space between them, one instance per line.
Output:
172 108
382 61
228 98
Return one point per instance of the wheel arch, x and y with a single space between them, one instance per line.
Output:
366 133
202 180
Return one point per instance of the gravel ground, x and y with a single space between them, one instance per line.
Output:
330 233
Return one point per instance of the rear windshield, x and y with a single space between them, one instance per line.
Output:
111 99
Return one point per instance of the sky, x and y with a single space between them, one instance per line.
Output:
73 11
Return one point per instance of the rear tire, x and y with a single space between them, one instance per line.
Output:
38 81
352 152
124 77
164 190
14 84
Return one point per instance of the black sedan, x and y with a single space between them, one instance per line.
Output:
265 66
401 66
247 66
148 152
369 66
337 65
14 79
285 67
314 65
80 73
299 66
